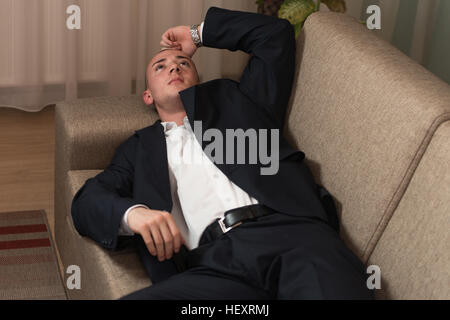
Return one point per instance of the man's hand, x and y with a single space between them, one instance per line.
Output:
179 38
158 229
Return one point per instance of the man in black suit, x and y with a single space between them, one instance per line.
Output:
221 229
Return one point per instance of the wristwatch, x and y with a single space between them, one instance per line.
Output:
195 36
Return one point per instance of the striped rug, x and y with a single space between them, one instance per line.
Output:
28 263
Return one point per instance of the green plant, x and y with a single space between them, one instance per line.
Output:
296 11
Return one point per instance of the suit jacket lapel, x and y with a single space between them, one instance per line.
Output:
155 153
188 99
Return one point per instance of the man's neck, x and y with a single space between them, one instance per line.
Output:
177 116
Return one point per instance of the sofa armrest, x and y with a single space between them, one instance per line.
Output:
88 131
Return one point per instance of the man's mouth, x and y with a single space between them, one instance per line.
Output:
175 80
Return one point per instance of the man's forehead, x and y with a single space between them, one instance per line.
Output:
168 53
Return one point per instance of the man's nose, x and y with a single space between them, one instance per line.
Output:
177 68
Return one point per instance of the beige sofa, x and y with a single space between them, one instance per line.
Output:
376 132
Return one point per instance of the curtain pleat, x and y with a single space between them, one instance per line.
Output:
437 58
423 28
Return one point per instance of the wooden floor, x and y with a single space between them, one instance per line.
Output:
27 152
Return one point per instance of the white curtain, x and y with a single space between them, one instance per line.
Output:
43 62
419 28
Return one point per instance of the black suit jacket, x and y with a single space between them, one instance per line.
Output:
138 173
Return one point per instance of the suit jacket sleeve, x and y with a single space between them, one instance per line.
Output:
268 76
98 207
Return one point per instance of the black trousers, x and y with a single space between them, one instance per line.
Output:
272 257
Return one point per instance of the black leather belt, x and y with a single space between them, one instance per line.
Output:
235 217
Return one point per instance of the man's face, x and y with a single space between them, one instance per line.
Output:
168 73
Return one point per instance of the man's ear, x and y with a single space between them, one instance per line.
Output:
148 98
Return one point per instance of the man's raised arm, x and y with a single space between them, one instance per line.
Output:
268 76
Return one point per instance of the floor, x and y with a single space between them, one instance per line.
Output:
27 152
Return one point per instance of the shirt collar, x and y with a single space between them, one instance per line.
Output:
171 125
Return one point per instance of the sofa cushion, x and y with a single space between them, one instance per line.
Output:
414 251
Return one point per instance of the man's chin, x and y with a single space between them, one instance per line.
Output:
175 93
181 87
177 83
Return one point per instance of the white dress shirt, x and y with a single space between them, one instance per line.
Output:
200 192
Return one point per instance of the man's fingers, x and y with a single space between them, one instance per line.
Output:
167 239
162 236
176 235
146 236
171 35
174 46
168 37
166 43
159 242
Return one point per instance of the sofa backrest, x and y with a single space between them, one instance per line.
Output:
364 114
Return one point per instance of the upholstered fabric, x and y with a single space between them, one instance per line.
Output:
414 251
363 113
95 127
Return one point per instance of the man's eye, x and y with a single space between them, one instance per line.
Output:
158 67
185 63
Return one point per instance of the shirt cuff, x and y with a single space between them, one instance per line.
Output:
124 229
201 31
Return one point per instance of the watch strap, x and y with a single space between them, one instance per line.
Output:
195 36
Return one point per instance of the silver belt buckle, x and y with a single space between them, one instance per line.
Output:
224 228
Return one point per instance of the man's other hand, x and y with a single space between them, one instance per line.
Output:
179 38
158 229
